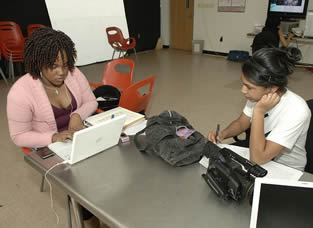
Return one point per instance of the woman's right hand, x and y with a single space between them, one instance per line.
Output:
212 137
290 35
62 136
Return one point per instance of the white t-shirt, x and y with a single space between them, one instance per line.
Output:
288 123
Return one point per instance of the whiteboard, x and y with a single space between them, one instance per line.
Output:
85 23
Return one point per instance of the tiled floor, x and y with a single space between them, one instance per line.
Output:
205 89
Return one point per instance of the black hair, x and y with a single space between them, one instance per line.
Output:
42 48
271 24
270 66
272 21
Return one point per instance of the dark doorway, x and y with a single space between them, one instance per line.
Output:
143 20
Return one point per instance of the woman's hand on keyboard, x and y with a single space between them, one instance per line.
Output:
62 136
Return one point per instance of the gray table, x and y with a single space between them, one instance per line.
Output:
125 188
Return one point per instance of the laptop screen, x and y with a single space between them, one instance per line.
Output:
281 203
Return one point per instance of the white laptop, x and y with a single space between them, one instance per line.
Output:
90 141
282 203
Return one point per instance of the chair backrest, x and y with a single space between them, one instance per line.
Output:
33 27
309 142
115 37
132 98
116 74
10 31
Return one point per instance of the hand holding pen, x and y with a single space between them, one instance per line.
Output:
213 136
217 132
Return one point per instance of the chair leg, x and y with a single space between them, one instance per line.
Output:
42 182
10 69
113 54
3 76
69 211
11 66
124 53
135 53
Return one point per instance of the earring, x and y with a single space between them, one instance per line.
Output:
40 74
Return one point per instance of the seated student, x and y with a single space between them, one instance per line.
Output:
271 35
279 119
48 103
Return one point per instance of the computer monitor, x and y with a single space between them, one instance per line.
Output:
288 9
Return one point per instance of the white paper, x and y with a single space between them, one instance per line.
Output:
100 99
136 127
131 117
274 169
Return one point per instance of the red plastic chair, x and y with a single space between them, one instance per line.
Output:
33 27
11 44
132 99
118 42
111 76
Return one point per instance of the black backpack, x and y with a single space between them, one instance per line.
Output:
162 140
110 97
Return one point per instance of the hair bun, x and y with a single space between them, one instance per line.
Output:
293 54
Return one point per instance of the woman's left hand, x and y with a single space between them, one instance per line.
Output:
75 123
267 102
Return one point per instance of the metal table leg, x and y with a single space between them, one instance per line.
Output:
77 213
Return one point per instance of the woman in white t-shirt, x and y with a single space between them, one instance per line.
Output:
278 118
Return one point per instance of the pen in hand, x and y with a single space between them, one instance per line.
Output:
217 132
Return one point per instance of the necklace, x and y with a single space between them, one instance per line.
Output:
53 88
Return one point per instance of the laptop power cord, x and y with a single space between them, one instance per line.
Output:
50 187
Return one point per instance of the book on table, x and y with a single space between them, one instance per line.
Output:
131 117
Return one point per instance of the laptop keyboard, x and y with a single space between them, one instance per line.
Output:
63 150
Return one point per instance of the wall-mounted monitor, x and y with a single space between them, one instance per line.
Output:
288 9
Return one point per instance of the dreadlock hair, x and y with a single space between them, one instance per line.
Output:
42 48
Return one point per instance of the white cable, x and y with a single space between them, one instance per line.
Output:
50 186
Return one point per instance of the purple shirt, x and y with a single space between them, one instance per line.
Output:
62 116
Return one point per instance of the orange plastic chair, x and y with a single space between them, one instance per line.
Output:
33 27
112 76
119 43
133 100
11 44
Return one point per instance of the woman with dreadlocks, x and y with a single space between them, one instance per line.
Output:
48 103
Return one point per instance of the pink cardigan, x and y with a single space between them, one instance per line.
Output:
30 115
